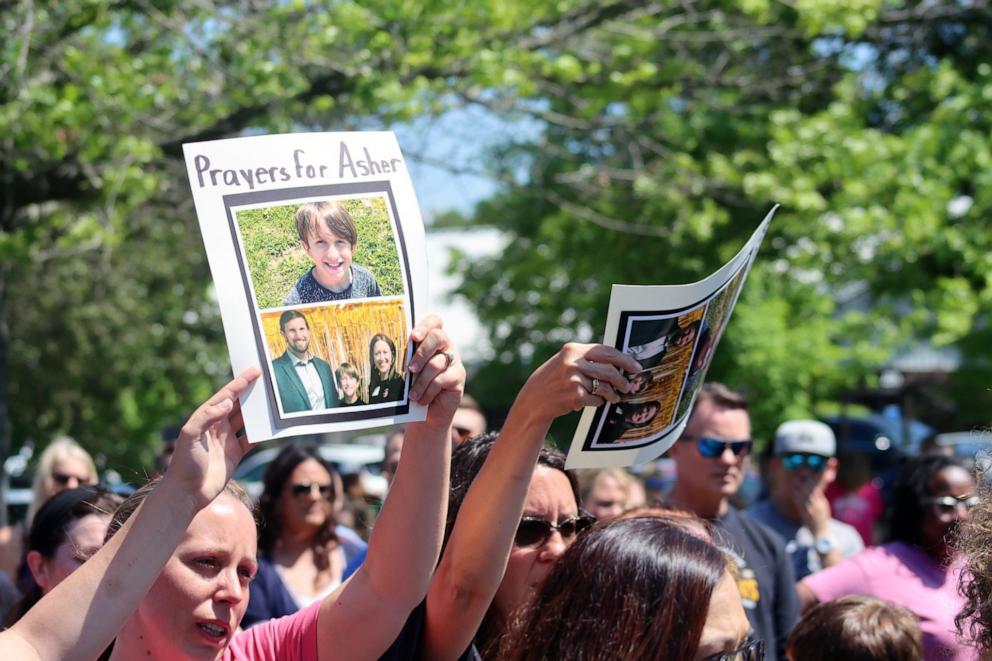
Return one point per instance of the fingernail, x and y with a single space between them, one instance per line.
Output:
414 367
639 368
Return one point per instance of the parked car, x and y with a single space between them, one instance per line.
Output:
877 434
882 438
347 459
973 447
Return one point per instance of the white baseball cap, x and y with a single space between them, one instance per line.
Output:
811 436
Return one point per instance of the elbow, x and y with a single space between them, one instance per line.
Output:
807 598
461 593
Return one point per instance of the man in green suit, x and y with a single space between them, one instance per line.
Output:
305 382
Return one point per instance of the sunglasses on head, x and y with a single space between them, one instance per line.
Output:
711 448
950 504
796 460
534 531
753 650
63 479
299 490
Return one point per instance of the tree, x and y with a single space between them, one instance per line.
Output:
669 130
107 326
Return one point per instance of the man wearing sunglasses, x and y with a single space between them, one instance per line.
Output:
710 459
801 466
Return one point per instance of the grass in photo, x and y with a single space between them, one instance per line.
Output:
277 259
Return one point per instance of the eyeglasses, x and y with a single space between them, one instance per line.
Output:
711 448
299 490
533 531
950 504
796 460
63 479
753 650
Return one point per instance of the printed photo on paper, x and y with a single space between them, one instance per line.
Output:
318 283
673 332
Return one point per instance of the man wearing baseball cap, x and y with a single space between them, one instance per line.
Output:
800 468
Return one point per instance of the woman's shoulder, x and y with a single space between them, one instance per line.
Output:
290 638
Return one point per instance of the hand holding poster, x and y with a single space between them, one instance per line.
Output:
317 251
672 331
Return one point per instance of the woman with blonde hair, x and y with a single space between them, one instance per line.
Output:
64 464
608 492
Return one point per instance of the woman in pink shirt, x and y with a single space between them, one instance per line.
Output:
173 582
916 568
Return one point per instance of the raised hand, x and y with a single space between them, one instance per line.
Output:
812 506
212 442
577 376
439 376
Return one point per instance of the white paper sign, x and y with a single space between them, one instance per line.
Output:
672 331
317 251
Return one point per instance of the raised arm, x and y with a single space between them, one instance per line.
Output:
475 557
360 619
81 616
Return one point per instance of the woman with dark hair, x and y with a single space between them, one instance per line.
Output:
301 556
512 509
65 532
626 416
641 588
386 382
916 568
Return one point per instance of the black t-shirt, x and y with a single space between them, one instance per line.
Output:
406 647
765 578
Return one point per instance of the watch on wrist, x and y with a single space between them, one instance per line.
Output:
824 545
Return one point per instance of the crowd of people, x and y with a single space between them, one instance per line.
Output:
487 547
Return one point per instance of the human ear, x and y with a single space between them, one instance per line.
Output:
39 568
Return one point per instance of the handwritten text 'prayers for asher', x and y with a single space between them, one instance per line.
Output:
302 168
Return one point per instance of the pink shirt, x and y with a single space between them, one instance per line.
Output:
290 638
906 576
860 508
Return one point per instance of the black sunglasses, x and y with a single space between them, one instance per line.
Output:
533 531
711 448
752 650
63 479
298 490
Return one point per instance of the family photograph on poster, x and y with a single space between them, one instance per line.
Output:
672 331
328 281
318 283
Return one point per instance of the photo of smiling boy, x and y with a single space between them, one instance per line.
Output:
329 238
